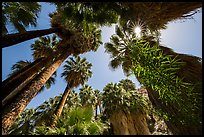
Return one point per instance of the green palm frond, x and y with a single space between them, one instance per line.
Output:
115 63
20 14
127 84
77 71
18 66
44 46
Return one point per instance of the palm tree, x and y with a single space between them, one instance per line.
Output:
28 122
20 15
76 72
17 67
177 88
80 43
63 10
156 15
89 97
126 110
18 79
127 84
120 51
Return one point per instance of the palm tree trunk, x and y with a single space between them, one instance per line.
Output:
12 39
13 85
191 73
17 81
59 108
14 109
128 123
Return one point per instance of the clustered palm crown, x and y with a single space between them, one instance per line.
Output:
120 97
44 46
77 71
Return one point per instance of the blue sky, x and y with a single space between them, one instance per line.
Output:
183 37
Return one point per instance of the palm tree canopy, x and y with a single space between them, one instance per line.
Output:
87 95
127 84
99 13
20 15
116 98
44 46
18 66
118 49
156 15
77 71
81 37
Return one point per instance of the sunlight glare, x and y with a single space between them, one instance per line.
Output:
137 31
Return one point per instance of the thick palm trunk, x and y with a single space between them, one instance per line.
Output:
13 110
15 83
59 108
128 123
12 39
191 73
175 128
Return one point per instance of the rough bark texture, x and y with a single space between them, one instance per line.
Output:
59 108
191 72
12 86
21 101
61 104
126 123
11 39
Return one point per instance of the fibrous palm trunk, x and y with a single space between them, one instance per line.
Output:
16 82
129 123
12 39
59 108
13 85
191 72
13 110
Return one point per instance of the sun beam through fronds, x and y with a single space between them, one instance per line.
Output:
136 27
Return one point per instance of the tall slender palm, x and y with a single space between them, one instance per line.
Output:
81 42
76 72
42 48
79 16
20 15
120 54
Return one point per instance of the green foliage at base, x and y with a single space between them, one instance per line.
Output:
76 121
